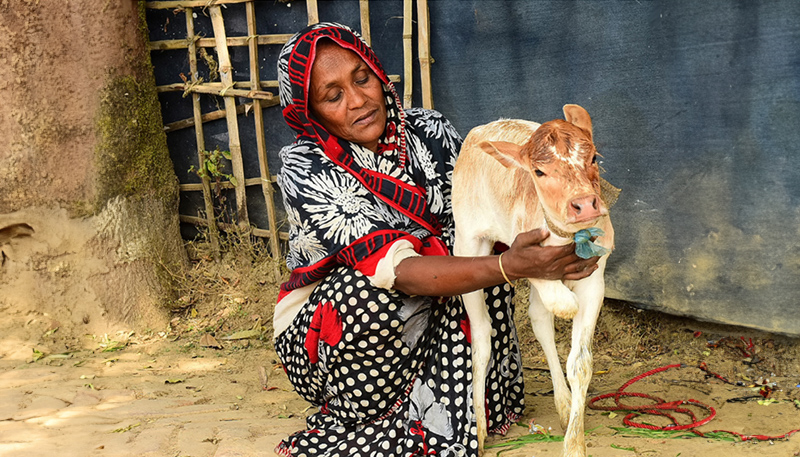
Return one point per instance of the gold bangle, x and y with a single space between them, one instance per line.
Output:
500 262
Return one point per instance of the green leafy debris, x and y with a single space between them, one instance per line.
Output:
125 429
671 434
37 355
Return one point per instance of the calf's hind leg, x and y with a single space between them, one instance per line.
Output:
481 330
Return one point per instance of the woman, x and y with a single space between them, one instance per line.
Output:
370 326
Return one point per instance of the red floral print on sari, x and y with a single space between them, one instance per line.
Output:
466 329
326 325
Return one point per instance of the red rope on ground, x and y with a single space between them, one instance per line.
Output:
661 407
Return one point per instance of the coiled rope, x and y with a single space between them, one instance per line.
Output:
661 407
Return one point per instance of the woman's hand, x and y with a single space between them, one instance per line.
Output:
526 258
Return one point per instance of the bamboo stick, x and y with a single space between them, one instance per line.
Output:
168 45
213 116
213 234
169 5
261 142
424 47
283 236
216 89
234 144
408 59
313 11
363 7
222 89
227 184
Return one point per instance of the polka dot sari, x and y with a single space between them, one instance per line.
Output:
391 373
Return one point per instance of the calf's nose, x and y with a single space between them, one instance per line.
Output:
584 208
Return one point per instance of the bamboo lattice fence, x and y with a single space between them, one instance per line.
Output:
257 95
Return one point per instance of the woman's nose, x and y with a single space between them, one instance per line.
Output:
355 98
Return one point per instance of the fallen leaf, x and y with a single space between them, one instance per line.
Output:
37 354
60 356
244 334
209 341
173 381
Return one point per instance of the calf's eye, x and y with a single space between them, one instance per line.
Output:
538 172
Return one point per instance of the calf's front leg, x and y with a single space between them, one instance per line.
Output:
590 292
543 328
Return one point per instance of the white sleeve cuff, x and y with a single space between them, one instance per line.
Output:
384 273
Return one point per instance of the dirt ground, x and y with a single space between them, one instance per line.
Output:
209 384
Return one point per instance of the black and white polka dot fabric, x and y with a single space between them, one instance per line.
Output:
391 374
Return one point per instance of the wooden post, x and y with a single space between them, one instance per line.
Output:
313 11
213 233
408 59
234 144
261 142
424 45
363 6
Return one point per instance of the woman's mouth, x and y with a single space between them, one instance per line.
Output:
367 118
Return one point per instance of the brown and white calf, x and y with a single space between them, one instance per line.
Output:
513 176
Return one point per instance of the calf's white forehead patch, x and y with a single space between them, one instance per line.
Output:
573 158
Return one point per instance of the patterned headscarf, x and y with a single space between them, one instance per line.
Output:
294 78
387 183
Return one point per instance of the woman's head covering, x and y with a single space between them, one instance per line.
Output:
317 161
294 76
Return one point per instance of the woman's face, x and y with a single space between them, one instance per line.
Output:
346 96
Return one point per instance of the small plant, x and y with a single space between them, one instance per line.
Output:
212 168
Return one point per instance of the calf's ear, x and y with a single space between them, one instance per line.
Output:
579 117
504 152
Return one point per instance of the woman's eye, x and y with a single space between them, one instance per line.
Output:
538 172
363 80
335 97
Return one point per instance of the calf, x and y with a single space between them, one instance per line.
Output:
513 176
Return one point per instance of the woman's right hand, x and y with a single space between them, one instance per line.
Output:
527 258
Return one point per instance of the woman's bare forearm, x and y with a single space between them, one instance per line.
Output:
445 276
